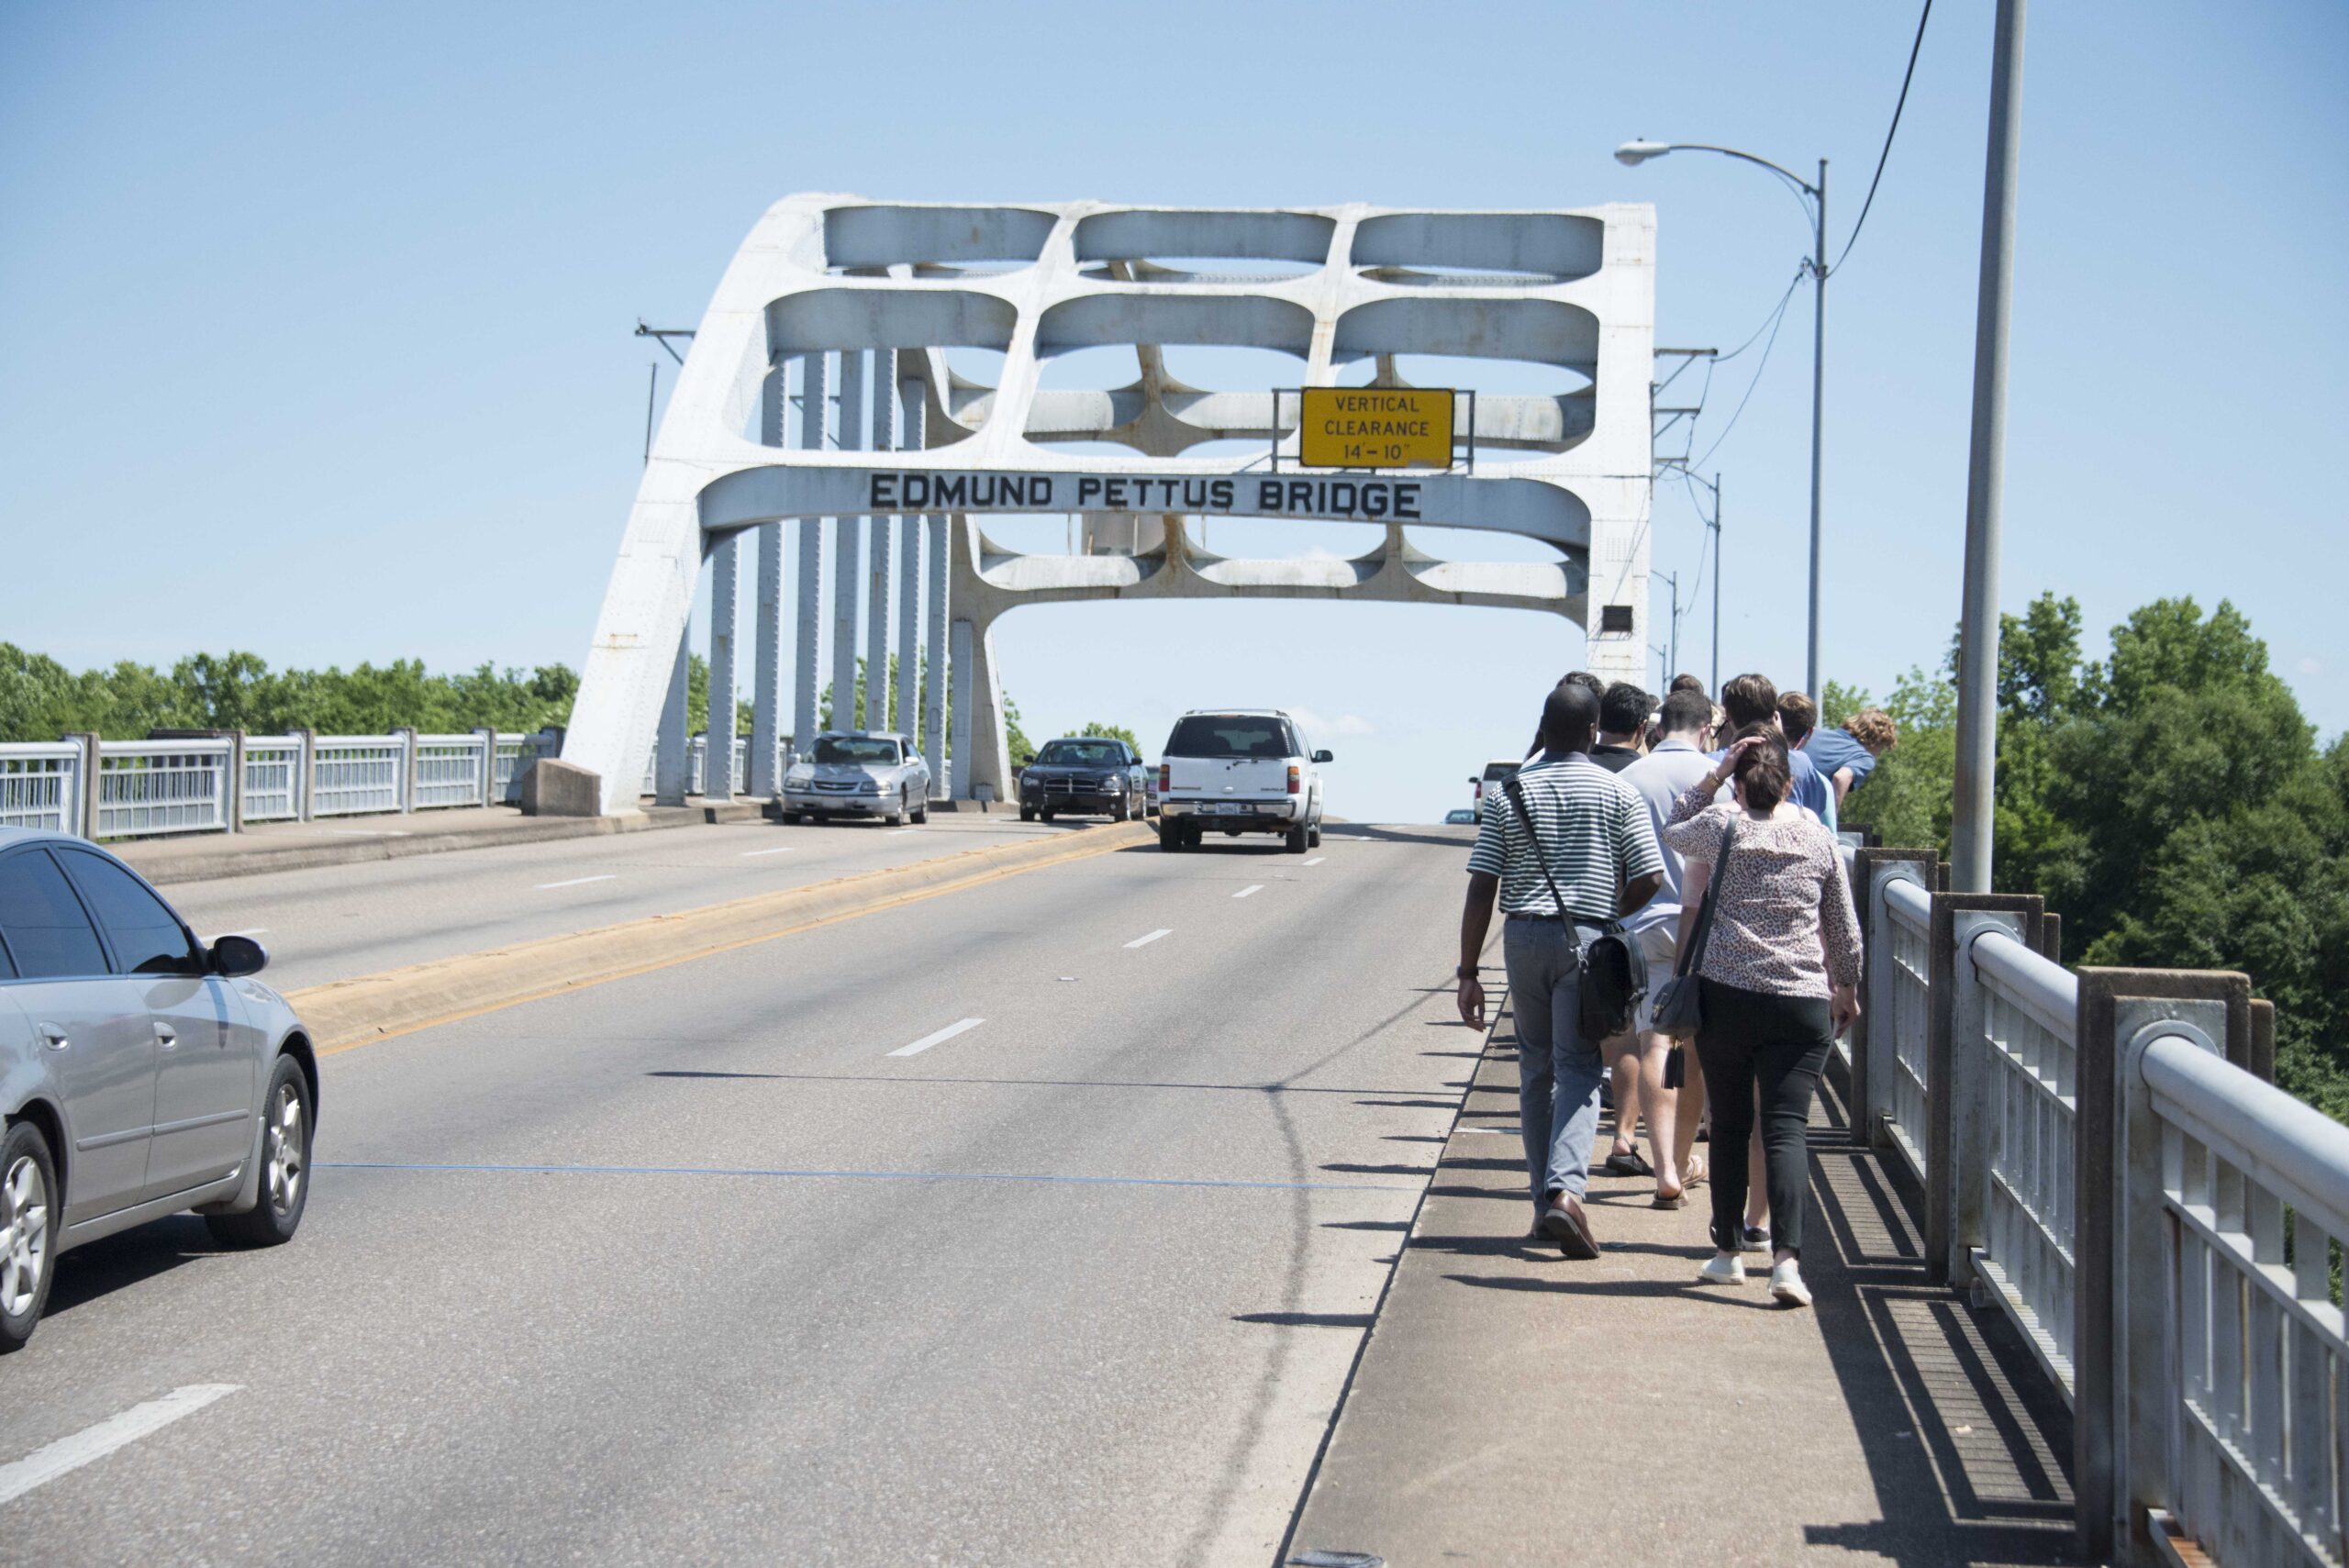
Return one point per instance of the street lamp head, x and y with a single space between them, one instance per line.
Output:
1634 153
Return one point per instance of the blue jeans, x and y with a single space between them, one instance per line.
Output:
1558 1071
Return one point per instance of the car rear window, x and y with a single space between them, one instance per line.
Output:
1247 736
853 748
47 932
1496 772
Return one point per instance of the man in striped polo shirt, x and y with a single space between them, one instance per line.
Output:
1595 835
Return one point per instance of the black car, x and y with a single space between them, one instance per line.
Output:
1084 775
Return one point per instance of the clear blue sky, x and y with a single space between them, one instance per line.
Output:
315 319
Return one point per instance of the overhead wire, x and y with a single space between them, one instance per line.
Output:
1777 319
1890 131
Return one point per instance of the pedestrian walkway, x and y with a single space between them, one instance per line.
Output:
348 840
1512 1408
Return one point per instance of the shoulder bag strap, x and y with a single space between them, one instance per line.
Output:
1516 792
1694 952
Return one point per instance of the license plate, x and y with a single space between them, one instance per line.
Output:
1229 808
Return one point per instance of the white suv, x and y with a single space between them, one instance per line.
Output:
1239 771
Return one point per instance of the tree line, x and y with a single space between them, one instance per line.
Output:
2169 801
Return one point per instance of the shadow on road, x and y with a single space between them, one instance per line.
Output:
132 1257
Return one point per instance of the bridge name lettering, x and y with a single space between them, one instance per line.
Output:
922 491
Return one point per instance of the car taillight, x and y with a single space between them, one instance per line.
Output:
1165 777
1295 779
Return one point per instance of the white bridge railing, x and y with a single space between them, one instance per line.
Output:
2099 1157
217 783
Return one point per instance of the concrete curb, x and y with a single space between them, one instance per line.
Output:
344 1013
251 860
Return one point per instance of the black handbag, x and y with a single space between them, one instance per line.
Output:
1679 1003
1614 970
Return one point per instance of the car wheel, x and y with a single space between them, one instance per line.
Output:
1298 837
905 810
1045 814
286 1125
1169 836
922 811
791 818
1313 840
28 1235
1122 812
1027 814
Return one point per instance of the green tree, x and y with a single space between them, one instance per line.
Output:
1112 732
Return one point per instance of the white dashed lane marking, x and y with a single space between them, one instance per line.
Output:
925 1042
1145 941
578 881
778 850
46 1464
1251 887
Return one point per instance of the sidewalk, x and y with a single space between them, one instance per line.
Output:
346 840
1512 1408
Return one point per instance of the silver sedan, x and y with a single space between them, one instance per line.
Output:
142 1070
859 772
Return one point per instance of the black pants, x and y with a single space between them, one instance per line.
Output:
1752 1037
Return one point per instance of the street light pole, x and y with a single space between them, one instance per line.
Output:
1818 407
1716 686
1633 153
1977 649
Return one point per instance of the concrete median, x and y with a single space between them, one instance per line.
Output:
344 1013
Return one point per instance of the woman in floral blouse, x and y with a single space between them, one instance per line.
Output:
1780 981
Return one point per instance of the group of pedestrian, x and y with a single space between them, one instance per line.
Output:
1699 841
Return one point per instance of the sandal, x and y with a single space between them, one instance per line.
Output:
1627 1162
1670 1200
1694 1174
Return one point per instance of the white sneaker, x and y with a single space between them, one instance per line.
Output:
1786 1284
1726 1268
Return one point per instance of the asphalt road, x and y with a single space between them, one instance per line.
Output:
333 922
758 1260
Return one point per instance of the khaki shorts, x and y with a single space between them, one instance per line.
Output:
1659 944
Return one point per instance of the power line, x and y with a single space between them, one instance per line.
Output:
1777 317
1891 131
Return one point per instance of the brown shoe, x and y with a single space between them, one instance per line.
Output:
1564 1223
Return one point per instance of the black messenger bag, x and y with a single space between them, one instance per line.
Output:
1614 970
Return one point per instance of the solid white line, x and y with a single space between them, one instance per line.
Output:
1317 860
778 850
925 1042
46 1464
1145 941
1251 887
899 832
253 932
577 881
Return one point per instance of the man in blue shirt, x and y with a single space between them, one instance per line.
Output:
1752 699
1847 756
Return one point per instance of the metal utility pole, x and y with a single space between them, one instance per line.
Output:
651 387
1671 643
1977 649
1818 408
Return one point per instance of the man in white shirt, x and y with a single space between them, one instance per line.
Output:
1658 779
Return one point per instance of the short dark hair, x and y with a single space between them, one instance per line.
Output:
1750 699
1798 716
1586 680
1687 711
1686 684
1624 710
1764 774
1569 715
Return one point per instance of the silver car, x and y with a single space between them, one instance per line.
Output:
142 1070
859 772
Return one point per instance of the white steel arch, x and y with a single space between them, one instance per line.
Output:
833 284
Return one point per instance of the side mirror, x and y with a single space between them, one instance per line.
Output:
1323 757
233 956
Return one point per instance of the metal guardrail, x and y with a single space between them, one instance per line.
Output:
2025 1036
274 774
2237 1372
40 786
451 770
1900 933
354 774
164 786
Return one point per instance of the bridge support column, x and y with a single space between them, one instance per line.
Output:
673 750
908 528
880 532
766 682
934 709
814 402
718 779
848 551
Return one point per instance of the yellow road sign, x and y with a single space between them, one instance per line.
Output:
1375 427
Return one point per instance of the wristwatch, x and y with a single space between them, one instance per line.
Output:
1467 971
